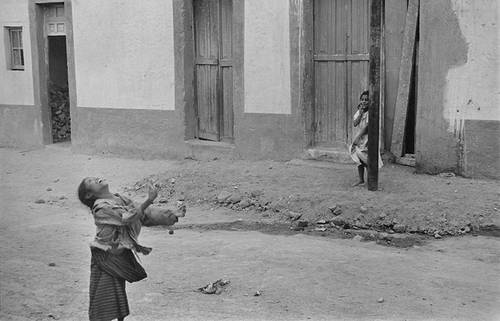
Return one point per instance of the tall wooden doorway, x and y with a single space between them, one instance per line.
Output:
340 68
213 30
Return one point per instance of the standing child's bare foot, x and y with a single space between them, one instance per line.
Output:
358 183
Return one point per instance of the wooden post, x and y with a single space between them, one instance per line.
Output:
374 86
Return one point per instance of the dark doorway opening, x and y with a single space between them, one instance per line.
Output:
410 125
58 89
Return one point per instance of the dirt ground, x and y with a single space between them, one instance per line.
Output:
44 266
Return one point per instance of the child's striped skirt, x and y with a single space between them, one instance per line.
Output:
108 273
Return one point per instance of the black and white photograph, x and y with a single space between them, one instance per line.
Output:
250 160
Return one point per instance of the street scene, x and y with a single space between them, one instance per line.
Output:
299 275
253 160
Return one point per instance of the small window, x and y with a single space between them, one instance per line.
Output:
16 52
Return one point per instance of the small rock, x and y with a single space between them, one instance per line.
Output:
257 293
358 238
62 197
244 203
171 232
49 189
399 228
256 193
52 264
340 221
56 180
294 215
380 300
363 209
163 200
437 235
321 222
223 196
89 158
234 198
320 229
172 181
382 216
337 210
40 201
302 223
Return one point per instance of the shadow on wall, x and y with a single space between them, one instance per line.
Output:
442 47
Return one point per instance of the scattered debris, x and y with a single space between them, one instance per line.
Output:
214 288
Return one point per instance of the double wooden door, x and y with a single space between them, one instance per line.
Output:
213 20
340 60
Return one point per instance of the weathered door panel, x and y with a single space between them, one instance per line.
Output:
206 15
213 70
340 67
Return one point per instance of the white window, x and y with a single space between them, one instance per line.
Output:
15 54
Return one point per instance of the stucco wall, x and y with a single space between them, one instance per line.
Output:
267 57
16 87
458 107
124 54
472 89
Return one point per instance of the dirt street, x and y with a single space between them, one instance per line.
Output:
44 257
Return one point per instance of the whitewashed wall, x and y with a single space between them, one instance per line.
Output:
124 54
267 57
473 89
16 87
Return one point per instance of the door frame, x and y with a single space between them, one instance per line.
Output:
40 65
220 64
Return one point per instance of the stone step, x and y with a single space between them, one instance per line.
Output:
209 150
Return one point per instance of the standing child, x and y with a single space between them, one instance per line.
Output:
118 224
359 147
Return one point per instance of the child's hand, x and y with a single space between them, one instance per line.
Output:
152 192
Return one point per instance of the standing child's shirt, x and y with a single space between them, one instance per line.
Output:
118 224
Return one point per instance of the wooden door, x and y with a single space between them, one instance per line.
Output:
213 68
340 60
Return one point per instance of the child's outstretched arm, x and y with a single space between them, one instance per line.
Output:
152 194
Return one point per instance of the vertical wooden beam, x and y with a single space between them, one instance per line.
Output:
401 109
374 86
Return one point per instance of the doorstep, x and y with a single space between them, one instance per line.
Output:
209 150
